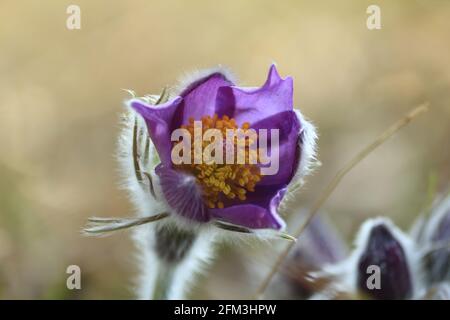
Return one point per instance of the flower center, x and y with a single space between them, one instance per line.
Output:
224 182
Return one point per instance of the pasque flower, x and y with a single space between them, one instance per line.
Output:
386 262
384 265
234 193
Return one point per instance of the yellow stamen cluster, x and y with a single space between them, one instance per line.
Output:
223 182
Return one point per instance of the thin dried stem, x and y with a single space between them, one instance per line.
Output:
334 183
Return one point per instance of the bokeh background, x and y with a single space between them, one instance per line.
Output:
61 97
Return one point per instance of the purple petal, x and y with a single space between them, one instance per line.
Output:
386 252
184 196
158 119
252 215
289 128
252 105
182 193
200 98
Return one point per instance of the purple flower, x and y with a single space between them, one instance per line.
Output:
384 251
234 193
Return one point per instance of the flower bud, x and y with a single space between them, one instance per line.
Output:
383 268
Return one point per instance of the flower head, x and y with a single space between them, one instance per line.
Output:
224 136
208 155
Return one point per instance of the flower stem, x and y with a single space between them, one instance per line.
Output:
163 283
172 259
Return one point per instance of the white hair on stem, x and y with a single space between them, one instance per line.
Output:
438 212
138 158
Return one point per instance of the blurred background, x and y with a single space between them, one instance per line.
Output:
61 97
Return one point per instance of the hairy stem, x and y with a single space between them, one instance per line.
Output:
172 258
163 284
